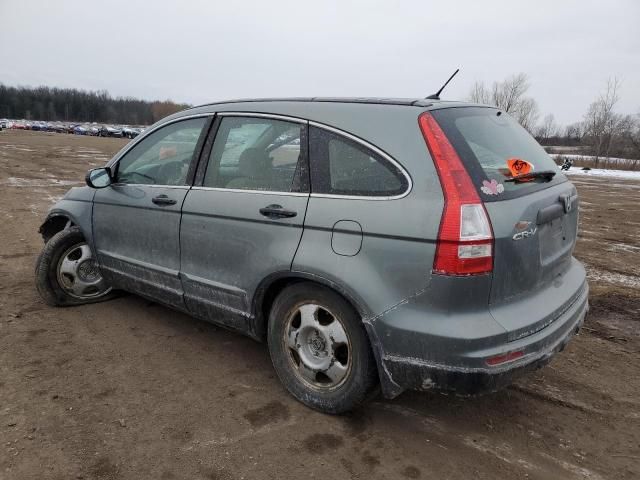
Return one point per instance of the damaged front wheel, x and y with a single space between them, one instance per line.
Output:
67 272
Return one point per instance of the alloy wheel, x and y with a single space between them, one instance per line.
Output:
318 345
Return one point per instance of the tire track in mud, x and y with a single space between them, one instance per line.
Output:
523 460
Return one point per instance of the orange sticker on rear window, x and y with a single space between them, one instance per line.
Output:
517 166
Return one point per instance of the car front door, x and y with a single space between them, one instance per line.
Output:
242 221
136 220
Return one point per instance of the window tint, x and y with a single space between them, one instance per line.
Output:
341 166
163 157
254 154
485 138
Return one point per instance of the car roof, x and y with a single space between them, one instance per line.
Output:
414 102
371 100
310 107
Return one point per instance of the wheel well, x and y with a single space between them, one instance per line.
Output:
54 225
268 296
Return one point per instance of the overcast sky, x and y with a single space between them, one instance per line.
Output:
201 51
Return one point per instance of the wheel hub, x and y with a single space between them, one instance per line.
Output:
88 271
317 344
79 275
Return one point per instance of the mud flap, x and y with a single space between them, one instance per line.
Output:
389 388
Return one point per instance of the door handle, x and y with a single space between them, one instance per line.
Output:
163 200
276 211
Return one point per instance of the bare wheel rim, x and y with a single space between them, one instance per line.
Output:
318 347
78 273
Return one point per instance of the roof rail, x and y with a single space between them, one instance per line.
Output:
420 102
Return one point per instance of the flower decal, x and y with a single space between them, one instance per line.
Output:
492 187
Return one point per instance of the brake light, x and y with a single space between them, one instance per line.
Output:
465 238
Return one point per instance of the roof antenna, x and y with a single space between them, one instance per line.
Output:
436 96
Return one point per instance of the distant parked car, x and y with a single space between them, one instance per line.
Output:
110 131
80 130
4 123
131 132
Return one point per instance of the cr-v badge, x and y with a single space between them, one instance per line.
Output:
526 230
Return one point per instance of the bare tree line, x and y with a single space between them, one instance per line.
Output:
70 104
603 127
602 132
510 96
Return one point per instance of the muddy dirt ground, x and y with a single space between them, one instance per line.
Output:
131 390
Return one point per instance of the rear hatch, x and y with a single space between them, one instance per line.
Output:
534 220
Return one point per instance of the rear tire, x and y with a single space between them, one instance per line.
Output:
67 273
320 349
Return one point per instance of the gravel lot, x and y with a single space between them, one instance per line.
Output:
128 389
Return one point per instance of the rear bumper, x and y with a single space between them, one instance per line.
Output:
415 375
464 369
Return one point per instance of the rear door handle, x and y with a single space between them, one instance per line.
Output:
276 211
163 200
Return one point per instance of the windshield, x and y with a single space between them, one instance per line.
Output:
495 148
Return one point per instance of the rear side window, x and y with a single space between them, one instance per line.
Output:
341 166
256 154
485 139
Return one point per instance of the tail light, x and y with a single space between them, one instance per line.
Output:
465 238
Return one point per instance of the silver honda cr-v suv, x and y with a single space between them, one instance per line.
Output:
414 244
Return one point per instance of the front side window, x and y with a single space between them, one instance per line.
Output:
164 156
341 166
255 154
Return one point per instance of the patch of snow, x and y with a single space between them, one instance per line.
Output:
88 155
575 156
601 172
40 182
53 198
613 277
624 247
21 148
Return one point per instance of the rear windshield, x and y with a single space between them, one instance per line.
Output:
488 141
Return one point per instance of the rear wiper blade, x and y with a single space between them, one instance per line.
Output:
546 175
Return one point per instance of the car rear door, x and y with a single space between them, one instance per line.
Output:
136 220
242 221
534 220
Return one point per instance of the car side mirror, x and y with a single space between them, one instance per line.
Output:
98 177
